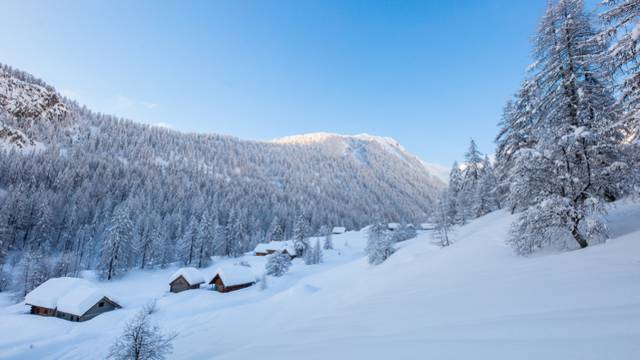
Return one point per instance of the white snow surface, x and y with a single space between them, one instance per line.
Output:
191 274
71 295
472 300
235 275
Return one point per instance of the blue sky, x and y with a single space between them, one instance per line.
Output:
431 74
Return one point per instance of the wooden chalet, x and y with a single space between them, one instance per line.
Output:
185 279
232 278
70 299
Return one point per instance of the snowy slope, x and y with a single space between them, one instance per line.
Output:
474 299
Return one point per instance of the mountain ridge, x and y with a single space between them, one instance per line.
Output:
102 163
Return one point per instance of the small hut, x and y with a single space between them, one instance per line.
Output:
338 230
232 278
393 226
70 299
184 279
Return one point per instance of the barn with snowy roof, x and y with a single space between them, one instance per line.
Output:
70 299
184 279
231 278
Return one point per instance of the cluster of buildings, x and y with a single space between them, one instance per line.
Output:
78 300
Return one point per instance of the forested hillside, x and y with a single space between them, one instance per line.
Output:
80 189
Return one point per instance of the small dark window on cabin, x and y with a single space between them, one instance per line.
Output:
101 304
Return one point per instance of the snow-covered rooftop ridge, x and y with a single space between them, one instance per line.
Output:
191 274
71 295
235 275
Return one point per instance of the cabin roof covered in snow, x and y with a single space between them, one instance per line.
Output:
339 230
71 295
275 246
393 226
235 275
191 274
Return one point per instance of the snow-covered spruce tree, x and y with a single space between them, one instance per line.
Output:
621 20
204 241
568 169
141 340
275 232
115 253
379 245
300 234
442 221
187 243
485 199
516 132
454 190
43 229
221 241
237 232
278 264
470 177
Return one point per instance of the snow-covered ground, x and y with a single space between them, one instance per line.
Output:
472 300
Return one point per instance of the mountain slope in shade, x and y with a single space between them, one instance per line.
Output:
332 179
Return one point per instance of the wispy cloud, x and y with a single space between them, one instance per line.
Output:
149 105
125 102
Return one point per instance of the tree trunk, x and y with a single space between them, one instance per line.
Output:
579 239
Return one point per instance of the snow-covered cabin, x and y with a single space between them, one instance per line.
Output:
338 230
184 279
393 226
70 299
285 247
427 226
230 278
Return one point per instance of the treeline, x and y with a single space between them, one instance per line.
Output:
568 140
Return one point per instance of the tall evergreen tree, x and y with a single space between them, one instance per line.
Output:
116 248
379 244
564 174
300 234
